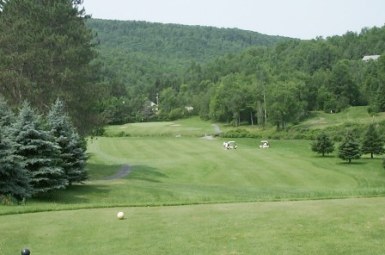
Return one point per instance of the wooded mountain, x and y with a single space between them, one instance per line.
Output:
172 45
235 76
140 58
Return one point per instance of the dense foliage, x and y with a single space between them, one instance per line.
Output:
46 52
323 144
143 60
373 142
37 154
349 149
274 82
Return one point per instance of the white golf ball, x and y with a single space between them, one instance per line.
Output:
120 215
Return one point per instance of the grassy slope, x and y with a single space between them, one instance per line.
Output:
187 169
194 170
356 115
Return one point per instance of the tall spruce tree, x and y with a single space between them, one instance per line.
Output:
46 51
323 145
372 143
72 152
40 152
349 149
14 179
7 117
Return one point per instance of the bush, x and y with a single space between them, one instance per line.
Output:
176 114
236 133
240 133
7 200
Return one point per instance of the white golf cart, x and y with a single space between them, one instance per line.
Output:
230 145
264 144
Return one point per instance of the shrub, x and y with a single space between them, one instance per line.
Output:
236 133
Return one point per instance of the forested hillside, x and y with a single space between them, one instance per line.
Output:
140 59
172 44
257 81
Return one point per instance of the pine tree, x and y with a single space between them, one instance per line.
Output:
373 142
14 179
72 153
47 51
323 145
6 115
77 163
349 148
39 150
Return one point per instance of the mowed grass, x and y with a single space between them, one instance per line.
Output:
196 170
356 115
186 127
344 226
191 170
185 194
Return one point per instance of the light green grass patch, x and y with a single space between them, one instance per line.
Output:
185 127
353 115
348 226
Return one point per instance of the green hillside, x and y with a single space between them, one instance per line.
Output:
174 45
352 115
234 76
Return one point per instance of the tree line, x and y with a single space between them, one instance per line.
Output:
114 72
350 147
141 59
280 85
276 84
38 154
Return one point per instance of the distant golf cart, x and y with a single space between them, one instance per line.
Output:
264 144
230 145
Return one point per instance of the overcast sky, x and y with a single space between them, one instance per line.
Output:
305 19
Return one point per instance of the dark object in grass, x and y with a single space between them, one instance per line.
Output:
25 252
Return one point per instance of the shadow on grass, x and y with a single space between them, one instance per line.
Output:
319 156
352 163
133 172
84 193
75 194
146 173
101 171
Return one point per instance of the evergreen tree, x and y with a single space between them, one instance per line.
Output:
14 179
46 51
323 144
77 163
349 148
373 142
39 150
6 115
72 151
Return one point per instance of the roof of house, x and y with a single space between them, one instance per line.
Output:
370 57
